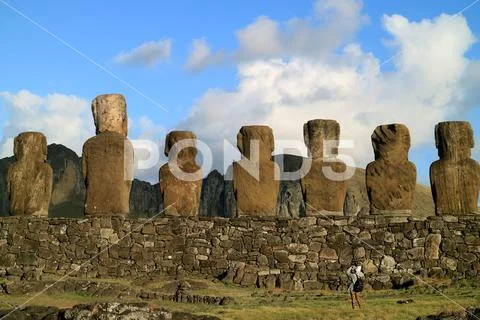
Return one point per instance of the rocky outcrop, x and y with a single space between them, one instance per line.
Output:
290 202
255 176
107 159
324 185
470 313
391 178
180 178
145 199
29 180
4 202
212 200
68 193
99 311
455 177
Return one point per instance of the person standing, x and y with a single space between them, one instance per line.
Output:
356 279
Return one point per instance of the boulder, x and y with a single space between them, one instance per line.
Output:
432 246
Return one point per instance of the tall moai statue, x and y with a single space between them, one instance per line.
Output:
256 177
29 181
181 178
455 178
107 158
391 178
324 184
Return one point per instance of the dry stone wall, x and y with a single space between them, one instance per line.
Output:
295 254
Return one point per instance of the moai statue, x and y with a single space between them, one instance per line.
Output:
351 206
29 181
256 177
391 178
324 185
455 178
180 178
107 158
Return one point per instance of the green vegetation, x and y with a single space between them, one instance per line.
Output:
250 303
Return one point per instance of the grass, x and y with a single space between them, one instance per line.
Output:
278 304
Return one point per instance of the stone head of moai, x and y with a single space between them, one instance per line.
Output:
256 143
454 140
316 132
30 146
110 114
391 142
180 146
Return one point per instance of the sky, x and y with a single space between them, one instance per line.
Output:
213 66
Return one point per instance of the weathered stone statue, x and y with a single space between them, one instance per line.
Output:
455 178
107 158
351 206
391 178
256 176
324 185
181 178
29 181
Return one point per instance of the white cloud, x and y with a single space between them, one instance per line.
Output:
64 119
332 23
202 56
149 129
425 87
148 54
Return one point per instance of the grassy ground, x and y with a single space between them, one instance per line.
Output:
276 304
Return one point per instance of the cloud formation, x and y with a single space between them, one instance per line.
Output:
148 54
331 24
64 119
201 56
282 85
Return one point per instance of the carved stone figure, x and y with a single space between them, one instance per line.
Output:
181 178
256 176
290 201
351 206
324 185
391 178
107 159
29 181
455 178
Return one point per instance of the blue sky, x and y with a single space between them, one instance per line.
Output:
33 60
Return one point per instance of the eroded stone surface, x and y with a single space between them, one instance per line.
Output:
351 206
181 178
391 178
107 159
256 176
455 177
110 114
324 185
29 181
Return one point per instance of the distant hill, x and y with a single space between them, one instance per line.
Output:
217 198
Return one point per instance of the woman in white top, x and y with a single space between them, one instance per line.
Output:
356 277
